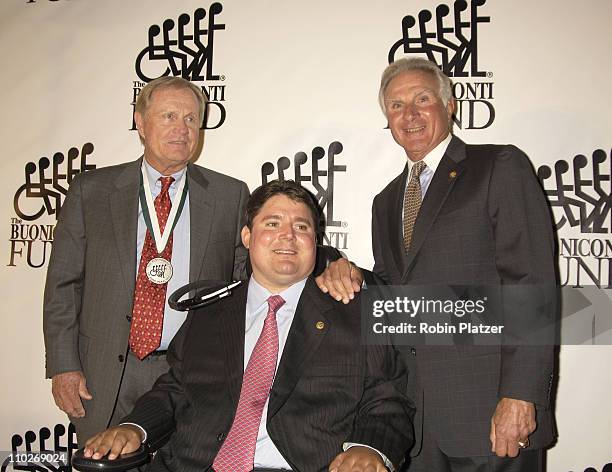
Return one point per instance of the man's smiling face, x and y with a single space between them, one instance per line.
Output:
281 243
417 116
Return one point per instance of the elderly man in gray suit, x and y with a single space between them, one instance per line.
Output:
463 215
127 237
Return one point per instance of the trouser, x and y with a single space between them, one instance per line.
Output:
138 378
433 459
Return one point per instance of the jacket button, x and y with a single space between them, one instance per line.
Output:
413 351
220 437
120 358
129 318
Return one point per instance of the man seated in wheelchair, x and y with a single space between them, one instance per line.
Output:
274 376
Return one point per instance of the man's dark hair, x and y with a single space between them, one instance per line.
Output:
290 189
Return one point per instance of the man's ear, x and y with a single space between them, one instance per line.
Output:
139 123
450 108
245 234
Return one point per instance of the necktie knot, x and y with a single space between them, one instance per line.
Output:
417 169
165 183
275 302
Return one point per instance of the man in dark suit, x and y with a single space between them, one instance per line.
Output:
110 260
319 391
464 215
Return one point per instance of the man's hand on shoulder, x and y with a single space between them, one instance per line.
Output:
68 388
341 279
114 441
358 459
511 425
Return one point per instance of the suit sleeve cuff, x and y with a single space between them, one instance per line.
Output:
388 464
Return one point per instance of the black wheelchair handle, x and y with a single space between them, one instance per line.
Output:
206 293
120 464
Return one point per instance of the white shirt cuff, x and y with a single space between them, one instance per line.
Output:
388 464
144 433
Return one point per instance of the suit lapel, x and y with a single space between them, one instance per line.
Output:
201 212
303 340
124 217
447 173
394 221
232 337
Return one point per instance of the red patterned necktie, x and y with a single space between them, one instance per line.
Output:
238 451
149 297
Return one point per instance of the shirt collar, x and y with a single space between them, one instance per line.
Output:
433 158
258 295
154 176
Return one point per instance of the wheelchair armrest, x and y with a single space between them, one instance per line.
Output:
122 463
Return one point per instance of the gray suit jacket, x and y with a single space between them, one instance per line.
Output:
92 270
484 221
328 388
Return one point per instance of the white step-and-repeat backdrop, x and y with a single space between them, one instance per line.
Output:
293 86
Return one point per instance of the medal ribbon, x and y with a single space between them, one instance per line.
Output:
146 202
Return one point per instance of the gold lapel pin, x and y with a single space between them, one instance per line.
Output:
452 174
320 325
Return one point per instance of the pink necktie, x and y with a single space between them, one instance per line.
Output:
238 451
150 298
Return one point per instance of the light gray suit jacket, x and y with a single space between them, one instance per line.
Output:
92 270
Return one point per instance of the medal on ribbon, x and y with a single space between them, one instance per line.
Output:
159 270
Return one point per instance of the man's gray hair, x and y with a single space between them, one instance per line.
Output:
144 97
409 64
